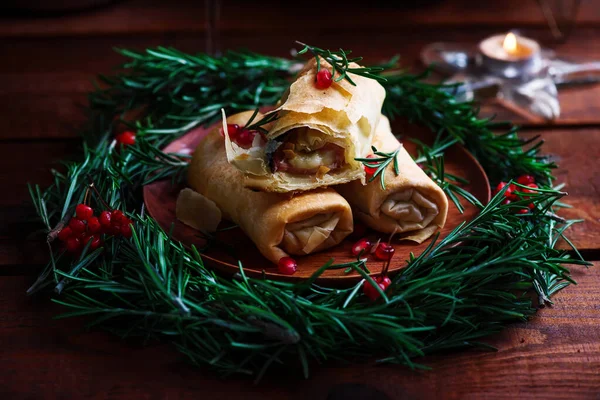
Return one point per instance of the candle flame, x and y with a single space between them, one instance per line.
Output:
510 43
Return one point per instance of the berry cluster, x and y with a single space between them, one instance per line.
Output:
383 252
369 290
515 193
84 227
241 136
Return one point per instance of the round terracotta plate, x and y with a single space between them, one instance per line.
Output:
233 245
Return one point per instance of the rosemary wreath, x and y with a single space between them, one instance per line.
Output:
460 289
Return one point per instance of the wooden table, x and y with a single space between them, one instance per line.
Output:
45 73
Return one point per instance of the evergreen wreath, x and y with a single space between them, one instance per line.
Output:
462 288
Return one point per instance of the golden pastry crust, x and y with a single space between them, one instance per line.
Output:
411 204
279 224
347 115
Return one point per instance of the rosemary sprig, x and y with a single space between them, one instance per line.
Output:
431 160
448 297
258 125
381 162
341 64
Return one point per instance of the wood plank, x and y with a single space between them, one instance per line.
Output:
140 17
554 355
29 162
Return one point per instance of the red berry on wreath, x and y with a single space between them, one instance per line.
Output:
371 170
324 79
83 212
287 266
523 211
77 226
85 238
115 229
65 233
126 230
384 252
105 218
126 138
116 217
73 245
371 292
528 189
505 202
525 179
361 247
96 242
93 225
384 280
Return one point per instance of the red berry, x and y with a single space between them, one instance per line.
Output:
529 191
506 201
323 79
384 252
371 170
384 280
73 244
509 190
126 138
499 187
245 138
287 266
104 218
522 211
232 130
115 229
126 231
65 233
361 247
85 238
116 217
77 226
371 292
525 179
95 242
531 206
83 212
93 225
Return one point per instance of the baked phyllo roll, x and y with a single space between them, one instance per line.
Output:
411 203
279 224
316 136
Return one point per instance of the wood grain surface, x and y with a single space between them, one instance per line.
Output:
554 355
46 70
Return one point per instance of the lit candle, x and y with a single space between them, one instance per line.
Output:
510 55
514 47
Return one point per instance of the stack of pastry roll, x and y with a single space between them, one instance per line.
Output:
282 187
